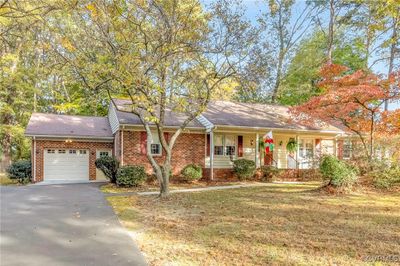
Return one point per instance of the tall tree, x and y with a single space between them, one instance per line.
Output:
164 56
300 81
284 31
19 64
338 13
354 102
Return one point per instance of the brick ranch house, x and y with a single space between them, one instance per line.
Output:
64 148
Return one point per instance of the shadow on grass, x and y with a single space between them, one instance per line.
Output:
289 219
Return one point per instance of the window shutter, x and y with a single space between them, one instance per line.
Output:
166 136
318 146
240 146
143 142
208 144
340 149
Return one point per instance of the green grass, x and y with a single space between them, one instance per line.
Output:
5 181
270 225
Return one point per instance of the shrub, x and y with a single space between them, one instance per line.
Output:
339 173
244 168
269 171
131 176
109 166
192 172
387 178
21 171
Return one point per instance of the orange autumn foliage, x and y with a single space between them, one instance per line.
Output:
353 102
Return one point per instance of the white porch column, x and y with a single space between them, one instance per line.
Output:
211 155
256 150
297 152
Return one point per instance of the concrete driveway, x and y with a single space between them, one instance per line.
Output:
62 225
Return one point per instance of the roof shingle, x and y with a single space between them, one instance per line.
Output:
42 124
172 119
224 113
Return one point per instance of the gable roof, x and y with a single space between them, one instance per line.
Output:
74 126
225 113
229 114
172 119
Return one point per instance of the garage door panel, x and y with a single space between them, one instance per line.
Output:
66 165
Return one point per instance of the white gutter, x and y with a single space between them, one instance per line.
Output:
281 129
69 137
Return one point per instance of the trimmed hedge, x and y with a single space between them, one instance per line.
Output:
21 171
192 172
244 168
337 172
109 166
131 176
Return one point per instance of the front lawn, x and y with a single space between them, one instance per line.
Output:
113 188
271 225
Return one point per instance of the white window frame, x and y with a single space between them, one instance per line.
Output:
102 155
224 149
350 145
156 141
305 161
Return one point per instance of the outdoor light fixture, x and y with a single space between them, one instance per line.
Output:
68 140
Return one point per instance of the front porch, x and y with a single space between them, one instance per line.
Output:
223 146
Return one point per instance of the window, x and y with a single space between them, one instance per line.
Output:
306 148
347 149
61 151
309 148
230 145
104 154
155 147
82 151
72 151
224 145
51 151
219 145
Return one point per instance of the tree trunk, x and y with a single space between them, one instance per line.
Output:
164 185
371 148
278 80
392 54
331 30
6 153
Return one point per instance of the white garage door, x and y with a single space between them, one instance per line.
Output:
66 164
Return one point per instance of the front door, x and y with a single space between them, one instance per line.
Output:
99 174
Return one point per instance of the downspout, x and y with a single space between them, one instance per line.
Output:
122 146
212 154
34 160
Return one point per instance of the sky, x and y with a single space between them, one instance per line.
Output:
255 8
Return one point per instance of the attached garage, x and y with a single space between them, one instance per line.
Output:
66 164
65 148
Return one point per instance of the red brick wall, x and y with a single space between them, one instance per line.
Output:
189 148
219 173
41 145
